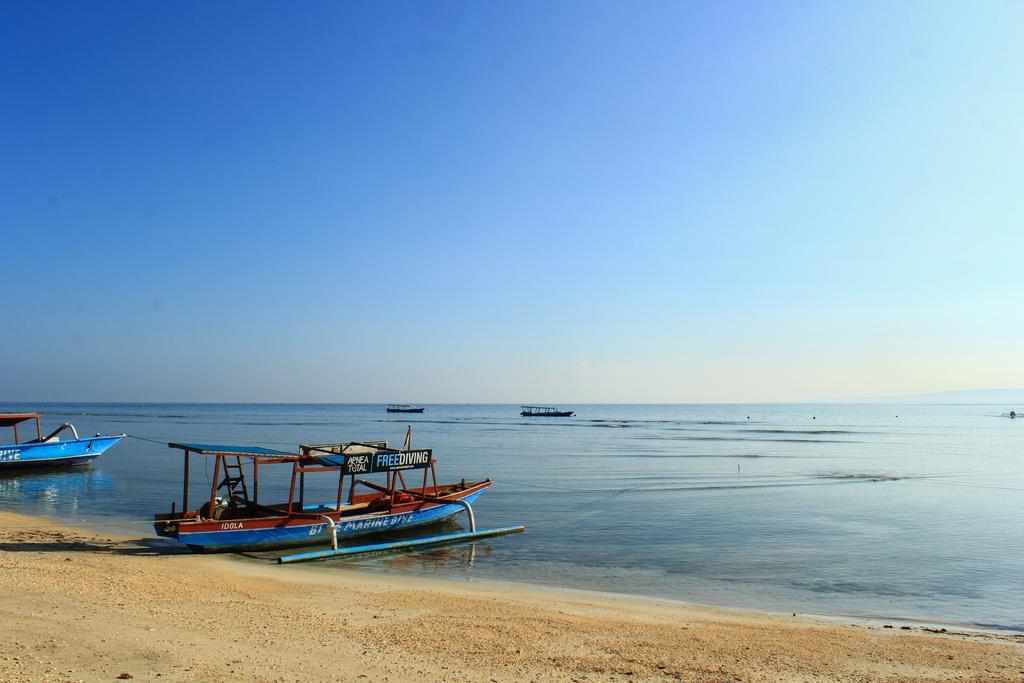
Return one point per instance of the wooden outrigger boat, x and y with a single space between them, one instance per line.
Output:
233 518
544 411
404 408
51 450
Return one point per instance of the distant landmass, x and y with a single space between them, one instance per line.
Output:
1010 397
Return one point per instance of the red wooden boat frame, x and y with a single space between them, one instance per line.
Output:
236 511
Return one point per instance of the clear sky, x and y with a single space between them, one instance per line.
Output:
510 201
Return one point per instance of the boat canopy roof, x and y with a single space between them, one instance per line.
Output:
11 419
244 451
350 448
538 407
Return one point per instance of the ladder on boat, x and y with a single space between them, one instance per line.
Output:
234 482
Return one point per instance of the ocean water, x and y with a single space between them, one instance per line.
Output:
890 511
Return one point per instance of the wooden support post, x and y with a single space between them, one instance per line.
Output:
302 489
184 487
255 480
15 425
213 486
39 432
341 486
291 490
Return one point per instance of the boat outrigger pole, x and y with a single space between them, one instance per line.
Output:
443 539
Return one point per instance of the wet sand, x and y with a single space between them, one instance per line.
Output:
78 605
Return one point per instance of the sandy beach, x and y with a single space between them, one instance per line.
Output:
79 605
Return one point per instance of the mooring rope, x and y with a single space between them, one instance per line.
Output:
143 438
82 522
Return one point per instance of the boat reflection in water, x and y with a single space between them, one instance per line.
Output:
53 491
457 558
447 558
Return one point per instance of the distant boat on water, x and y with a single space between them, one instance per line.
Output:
50 451
545 411
404 408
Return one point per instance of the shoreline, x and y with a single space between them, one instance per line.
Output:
96 526
868 621
84 605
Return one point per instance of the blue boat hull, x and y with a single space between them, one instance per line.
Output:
55 453
286 534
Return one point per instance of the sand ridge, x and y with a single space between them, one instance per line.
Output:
87 606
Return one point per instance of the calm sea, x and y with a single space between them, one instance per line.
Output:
893 511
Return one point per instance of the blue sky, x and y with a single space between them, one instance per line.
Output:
525 201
